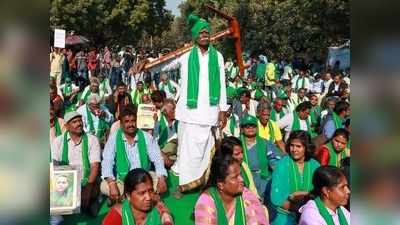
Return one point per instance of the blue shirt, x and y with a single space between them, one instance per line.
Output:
153 151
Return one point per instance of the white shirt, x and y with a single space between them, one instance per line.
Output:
86 127
286 124
287 71
204 114
166 89
252 107
306 82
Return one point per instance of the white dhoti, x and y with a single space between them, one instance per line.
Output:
195 151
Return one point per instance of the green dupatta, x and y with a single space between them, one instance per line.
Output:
153 217
302 83
85 156
214 82
67 89
296 123
232 124
101 126
334 157
261 148
323 211
298 182
240 214
123 164
137 97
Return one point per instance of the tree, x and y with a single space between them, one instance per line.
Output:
110 21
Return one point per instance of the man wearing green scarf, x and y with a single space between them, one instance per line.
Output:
260 154
170 88
96 118
126 149
137 93
79 149
104 86
297 120
69 92
201 106
337 119
56 124
301 80
92 88
165 131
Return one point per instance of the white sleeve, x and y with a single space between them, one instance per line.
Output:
222 100
284 121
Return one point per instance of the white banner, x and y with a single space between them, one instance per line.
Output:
59 38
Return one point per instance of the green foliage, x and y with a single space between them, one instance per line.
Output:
278 28
111 21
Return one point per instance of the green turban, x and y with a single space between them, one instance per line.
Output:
197 24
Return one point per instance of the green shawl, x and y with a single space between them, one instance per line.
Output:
152 218
170 88
123 164
337 120
296 123
67 89
327 216
214 81
314 114
87 95
57 127
101 127
240 214
335 157
232 124
297 181
137 97
85 156
163 131
261 148
274 112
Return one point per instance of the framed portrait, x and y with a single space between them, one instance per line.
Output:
64 192
145 114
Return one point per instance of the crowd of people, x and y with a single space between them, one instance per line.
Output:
270 146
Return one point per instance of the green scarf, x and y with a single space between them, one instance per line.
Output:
261 148
57 127
103 86
87 95
274 112
67 89
333 155
214 82
170 88
302 82
163 131
152 218
240 214
232 124
123 164
327 216
85 156
314 114
101 127
337 120
137 97
270 129
260 71
246 179
296 123
258 93
297 181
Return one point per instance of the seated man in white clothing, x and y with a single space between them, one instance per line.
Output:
297 120
170 88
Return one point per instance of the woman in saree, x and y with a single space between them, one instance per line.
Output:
140 206
227 201
292 179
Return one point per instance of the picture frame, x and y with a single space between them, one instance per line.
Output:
64 185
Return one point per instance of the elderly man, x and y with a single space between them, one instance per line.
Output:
245 105
267 128
201 106
96 118
81 150
126 149
119 100
92 88
104 86
165 129
170 88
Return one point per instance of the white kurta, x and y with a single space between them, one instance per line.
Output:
194 131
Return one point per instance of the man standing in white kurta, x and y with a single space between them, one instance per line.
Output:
202 105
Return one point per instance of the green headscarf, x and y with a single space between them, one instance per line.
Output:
197 24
